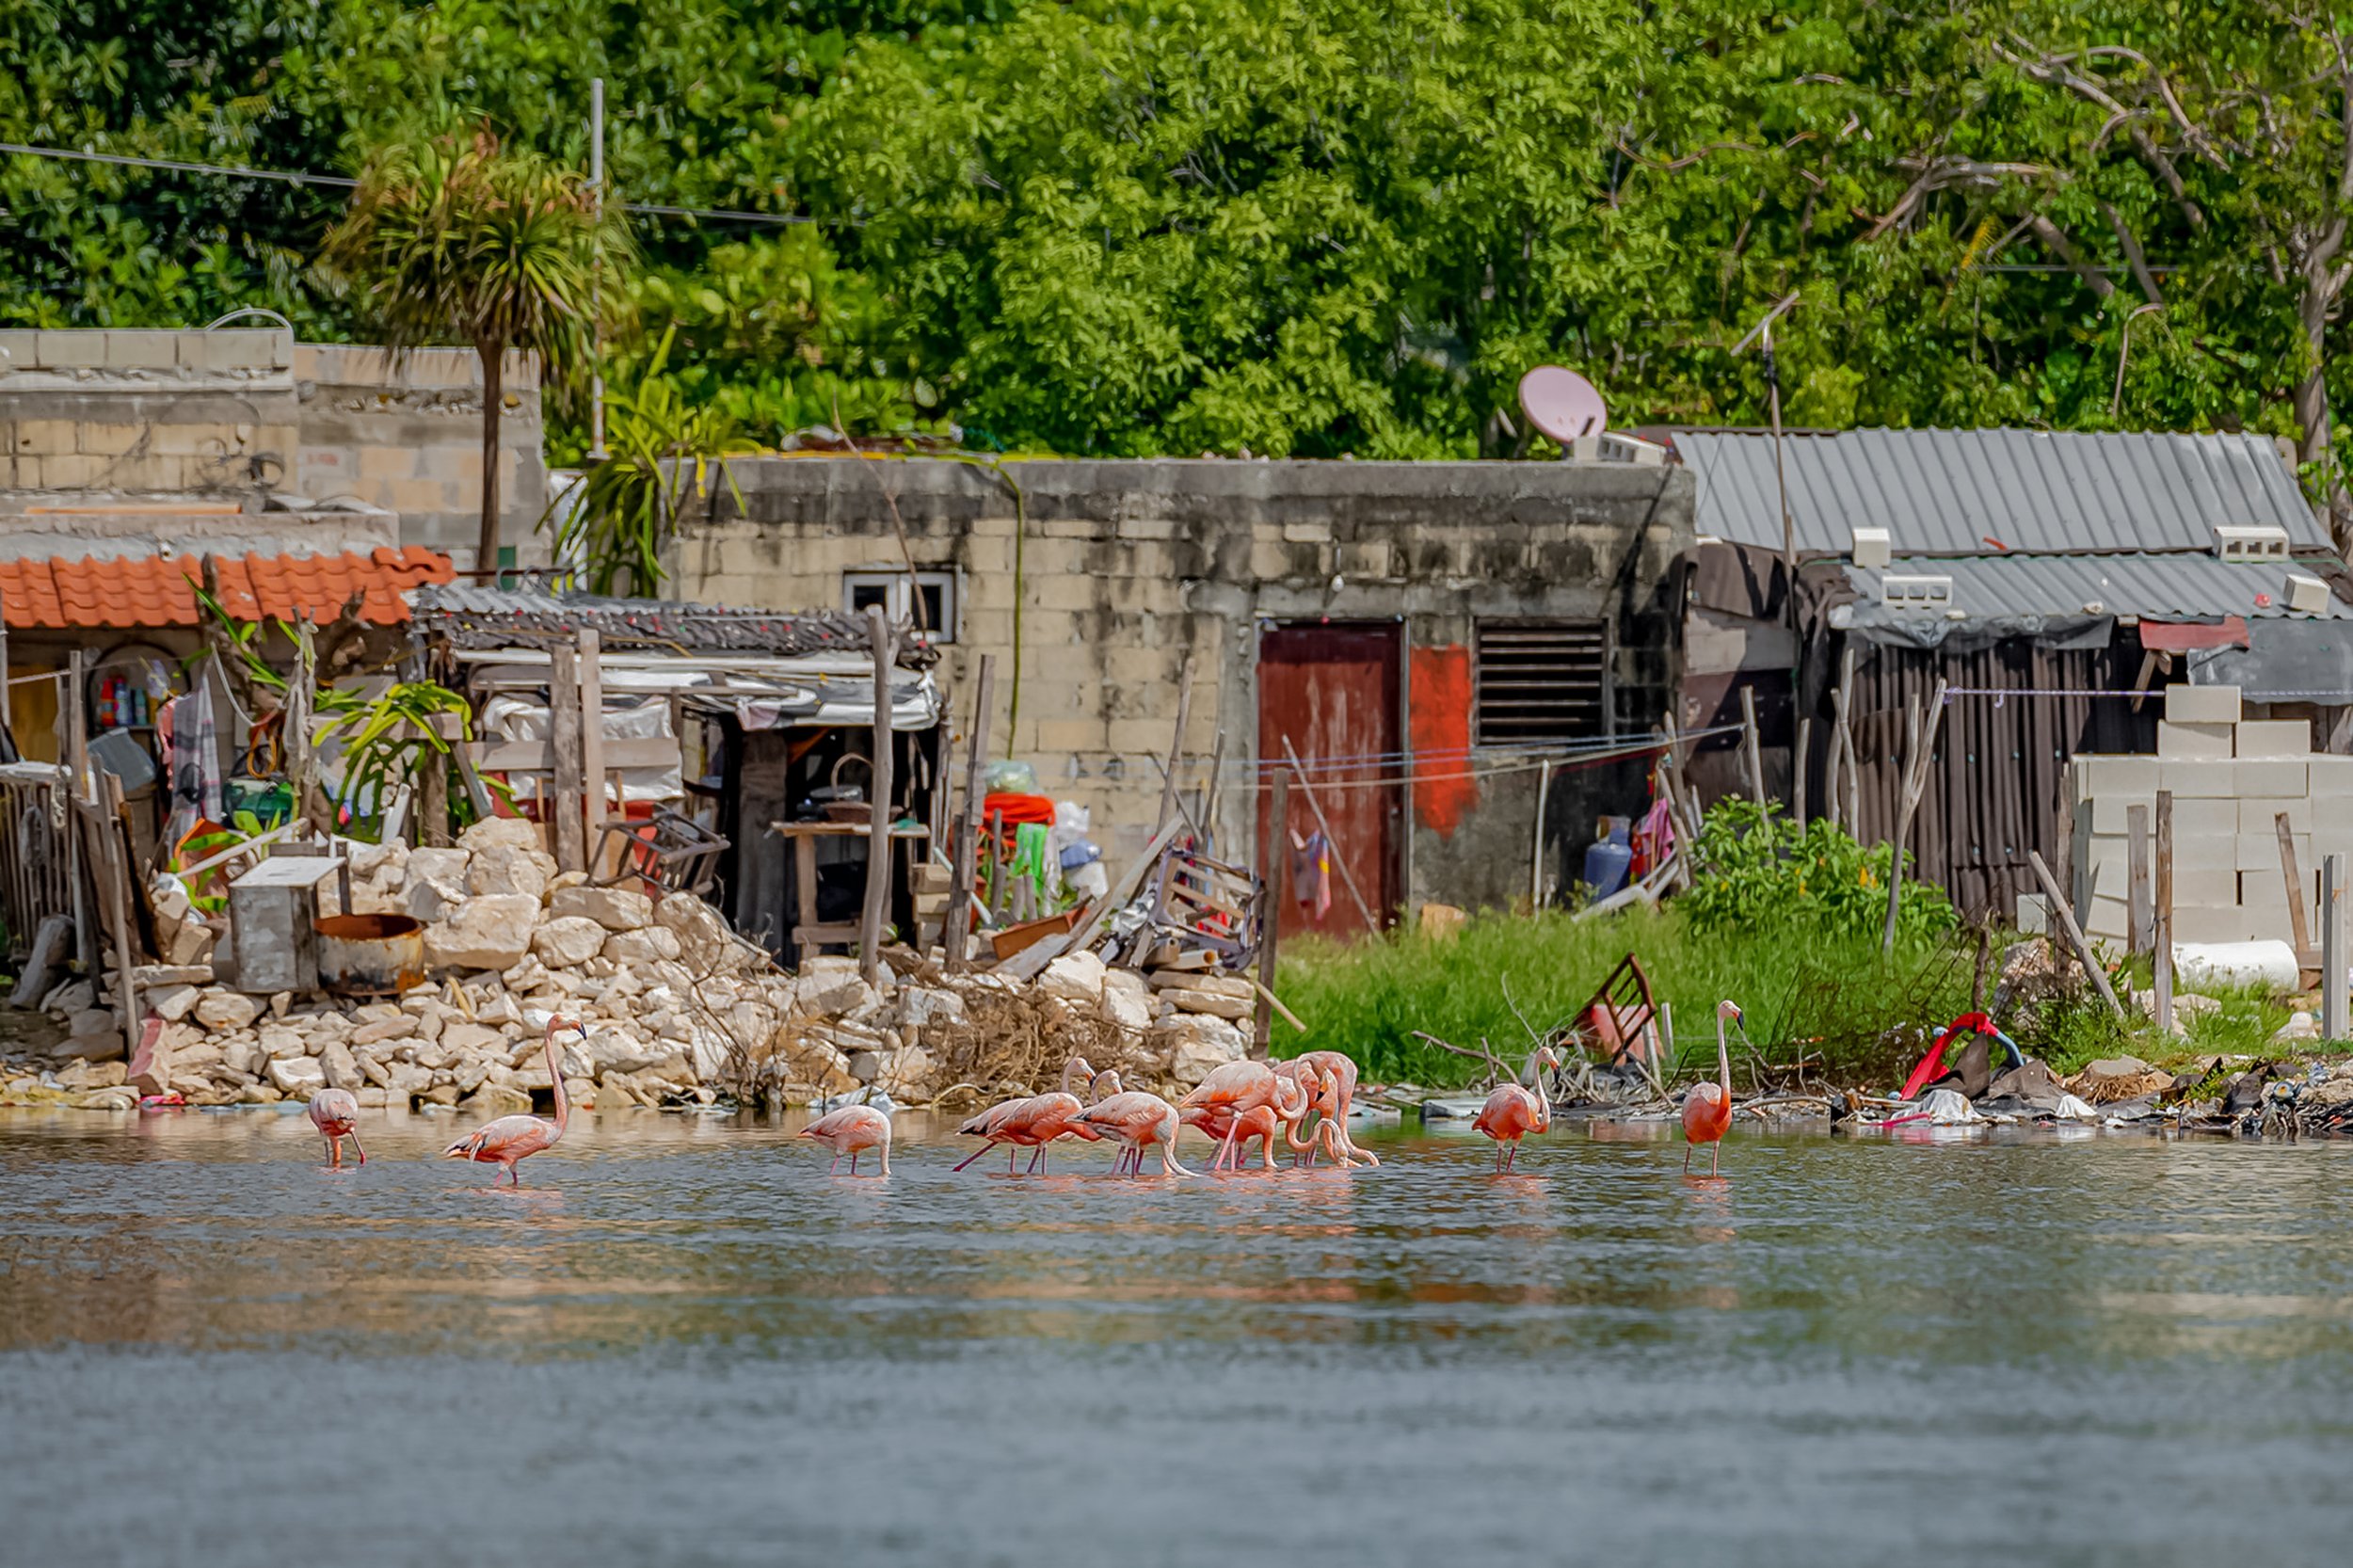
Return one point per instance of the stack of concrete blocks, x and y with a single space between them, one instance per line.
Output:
2230 778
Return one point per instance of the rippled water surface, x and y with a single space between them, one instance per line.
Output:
682 1342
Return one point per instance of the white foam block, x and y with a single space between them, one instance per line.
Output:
2195 817
2260 816
2272 780
2215 888
2272 738
2100 776
2202 704
2260 852
2202 778
2108 916
2331 778
2194 741
2205 851
2034 913
2112 814
2224 923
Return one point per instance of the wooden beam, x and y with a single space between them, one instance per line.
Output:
1176 745
564 747
2065 915
1275 855
592 762
1922 733
1753 745
878 855
114 858
956 924
2332 953
2299 928
1802 765
2137 913
2161 924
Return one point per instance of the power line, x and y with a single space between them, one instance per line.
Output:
343 181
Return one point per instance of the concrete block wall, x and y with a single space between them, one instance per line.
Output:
2230 778
1125 566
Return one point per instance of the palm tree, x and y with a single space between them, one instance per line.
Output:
460 239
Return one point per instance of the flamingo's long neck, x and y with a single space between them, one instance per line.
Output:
1724 1060
1071 1073
556 1074
1534 1073
1105 1085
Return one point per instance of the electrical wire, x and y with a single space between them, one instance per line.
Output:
345 182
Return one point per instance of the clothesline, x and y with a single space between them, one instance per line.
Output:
1560 755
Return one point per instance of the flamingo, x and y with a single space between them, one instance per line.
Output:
1342 1067
1029 1121
851 1131
1138 1120
512 1139
336 1113
1238 1088
1707 1109
1514 1111
1219 1122
1331 1134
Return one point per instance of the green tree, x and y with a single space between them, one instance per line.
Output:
458 239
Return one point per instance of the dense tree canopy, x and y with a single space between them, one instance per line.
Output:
1289 226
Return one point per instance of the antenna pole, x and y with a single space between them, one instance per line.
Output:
1780 473
596 279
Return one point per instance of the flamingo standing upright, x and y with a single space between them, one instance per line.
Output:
512 1139
1138 1120
1707 1109
336 1113
1030 1121
852 1130
1514 1111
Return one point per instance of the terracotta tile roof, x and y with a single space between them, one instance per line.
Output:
157 591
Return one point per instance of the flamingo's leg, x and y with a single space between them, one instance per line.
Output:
835 1169
1715 1153
977 1153
361 1147
1034 1154
1687 1157
854 1162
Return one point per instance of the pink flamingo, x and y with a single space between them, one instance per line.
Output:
1220 1124
1330 1133
1238 1088
512 1139
1707 1109
852 1130
1514 1111
1342 1068
1138 1120
336 1113
1030 1121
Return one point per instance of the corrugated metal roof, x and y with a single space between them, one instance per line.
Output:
1948 492
469 615
2155 587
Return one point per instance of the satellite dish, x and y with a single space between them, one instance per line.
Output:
1562 404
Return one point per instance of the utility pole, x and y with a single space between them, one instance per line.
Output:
596 278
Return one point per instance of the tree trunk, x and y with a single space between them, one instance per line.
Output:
486 549
2310 401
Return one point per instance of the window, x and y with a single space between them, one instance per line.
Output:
1540 682
937 619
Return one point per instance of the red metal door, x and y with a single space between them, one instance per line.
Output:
1333 691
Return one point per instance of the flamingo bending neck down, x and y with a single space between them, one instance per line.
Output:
852 1130
336 1113
1514 1111
512 1139
1707 1109
1031 1121
1138 1120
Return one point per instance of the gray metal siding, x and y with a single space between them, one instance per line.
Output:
2159 588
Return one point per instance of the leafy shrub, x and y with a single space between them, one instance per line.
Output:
1758 869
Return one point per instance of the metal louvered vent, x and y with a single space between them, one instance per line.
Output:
1539 682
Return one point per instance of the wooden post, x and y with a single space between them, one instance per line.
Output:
1802 763
1176 745
593 810
2138 912
2332 953
433 785
1841 742
2299 929
1536 854
1275 855
870 923
113 861
2161 925
1922 736
76 739
1347 876
1206 820
7 702
295 724
992 845
1754 746
957 925
2065 915
564 784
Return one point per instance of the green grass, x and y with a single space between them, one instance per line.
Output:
1838 996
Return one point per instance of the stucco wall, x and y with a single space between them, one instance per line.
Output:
1124 566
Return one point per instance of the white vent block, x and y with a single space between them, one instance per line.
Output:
2250 543
1907 591
1872 548
2306 596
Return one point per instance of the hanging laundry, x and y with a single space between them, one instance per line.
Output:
195 782
1311 872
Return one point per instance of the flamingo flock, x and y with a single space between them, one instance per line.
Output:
1238 1103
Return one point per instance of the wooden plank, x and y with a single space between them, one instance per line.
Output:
592 761
878 852
2332 953
2161 924
2138 912
2065 915
640 751
1274 853
115 857
1121 892
1176 744
1802 763
2299 929
1753 747
1339 859
1922 731
957 925
564 746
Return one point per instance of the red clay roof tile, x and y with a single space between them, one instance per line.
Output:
159 590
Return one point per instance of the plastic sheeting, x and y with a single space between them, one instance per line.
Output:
507 718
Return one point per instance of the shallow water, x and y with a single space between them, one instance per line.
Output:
682 1342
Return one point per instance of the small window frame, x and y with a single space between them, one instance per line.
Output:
943 589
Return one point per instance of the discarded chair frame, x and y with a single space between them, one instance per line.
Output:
671 852
1208 903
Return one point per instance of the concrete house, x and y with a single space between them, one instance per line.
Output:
1444 646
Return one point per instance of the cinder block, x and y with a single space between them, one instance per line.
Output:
142 350
71 350
2261 816
2135 777
389 462
2260 852
2196 818
235 348
35 438
1308 533
73 471
2203 886
2199 778
19 349
2202 704
2207 741
2272 780
2273 738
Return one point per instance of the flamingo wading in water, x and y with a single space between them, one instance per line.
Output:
1707 1109
1137 1120
1514 1111
511 1139
1031 1121
852 1130
336 1113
